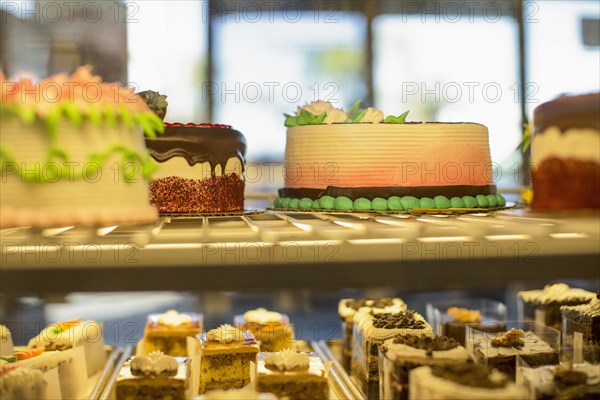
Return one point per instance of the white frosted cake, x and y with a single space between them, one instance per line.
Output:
72 152
359 160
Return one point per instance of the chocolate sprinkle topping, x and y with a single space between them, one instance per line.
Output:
428 343
402 320
179 195
468 375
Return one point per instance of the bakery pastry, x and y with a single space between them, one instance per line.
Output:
543 306
228 355
6 342
271 329
72 152
372 330
501 351
404 353
66 335
461 317
168 332
153 376
462 382
70 366
357 160
584 320
293 375
199 166
578 381
565 152
245 393
347 308
21 383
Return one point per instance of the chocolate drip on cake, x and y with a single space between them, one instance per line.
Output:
386 192
569 112
198 144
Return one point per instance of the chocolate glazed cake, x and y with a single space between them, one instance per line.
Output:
566 153
200 169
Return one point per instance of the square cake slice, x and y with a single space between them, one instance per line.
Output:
500 352
400 355
347 308
168 332
153 376
293 375
583 320
370 331
271 329
227 356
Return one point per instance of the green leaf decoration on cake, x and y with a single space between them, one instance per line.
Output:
156 102
358 117
400 119
331 115
526 141
290 120
355 111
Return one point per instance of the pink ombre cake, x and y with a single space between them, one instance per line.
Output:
359 160
72 152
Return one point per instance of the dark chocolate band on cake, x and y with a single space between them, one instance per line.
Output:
198 144
569 112
386 192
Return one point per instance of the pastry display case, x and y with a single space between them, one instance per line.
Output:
195 226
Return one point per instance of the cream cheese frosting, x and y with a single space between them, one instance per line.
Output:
225 334
575 143
556 293
396 351
287 360
174 318
155 363
262 316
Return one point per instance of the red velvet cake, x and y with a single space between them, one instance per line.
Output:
565 152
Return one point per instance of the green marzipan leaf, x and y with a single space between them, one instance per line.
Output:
354 110
359 116
290 120
400 119
308 118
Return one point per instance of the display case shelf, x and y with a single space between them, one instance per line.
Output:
293 249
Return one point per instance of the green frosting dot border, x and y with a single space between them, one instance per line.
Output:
394 204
